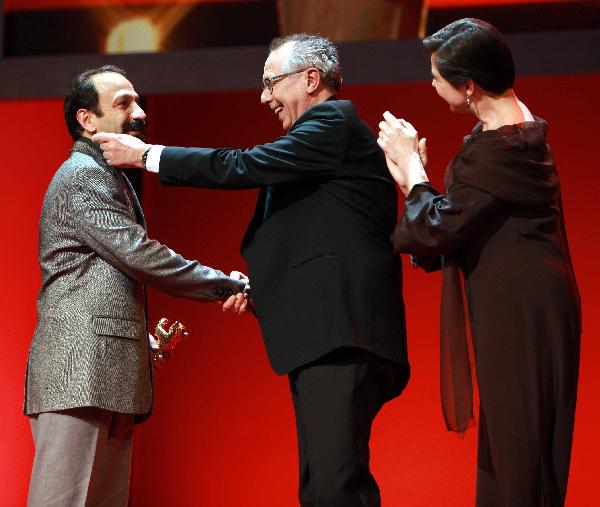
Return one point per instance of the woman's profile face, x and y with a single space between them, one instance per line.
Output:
454 96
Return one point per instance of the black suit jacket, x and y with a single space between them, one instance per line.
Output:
320 260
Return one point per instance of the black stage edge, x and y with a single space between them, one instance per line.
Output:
221 69
553 16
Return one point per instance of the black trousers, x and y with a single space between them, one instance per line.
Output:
336 399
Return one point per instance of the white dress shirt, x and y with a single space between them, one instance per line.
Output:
153 159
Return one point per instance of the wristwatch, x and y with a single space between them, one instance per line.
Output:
145 157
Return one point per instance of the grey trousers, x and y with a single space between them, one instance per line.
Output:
82 458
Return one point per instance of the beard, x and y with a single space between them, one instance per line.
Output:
136 128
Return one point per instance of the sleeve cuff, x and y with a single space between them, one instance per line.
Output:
153 160
418 187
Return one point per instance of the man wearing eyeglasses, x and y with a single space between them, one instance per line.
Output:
327 287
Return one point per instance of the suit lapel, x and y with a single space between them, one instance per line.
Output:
139 214
86 146
257 219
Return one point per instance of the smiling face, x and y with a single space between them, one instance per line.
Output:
453 95
118 103
291 95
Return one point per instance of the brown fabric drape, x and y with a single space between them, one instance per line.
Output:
456 384
512 177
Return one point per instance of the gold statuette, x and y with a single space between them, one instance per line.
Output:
163 341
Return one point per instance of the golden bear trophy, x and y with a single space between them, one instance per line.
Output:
164 341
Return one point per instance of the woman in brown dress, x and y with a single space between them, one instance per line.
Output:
499 225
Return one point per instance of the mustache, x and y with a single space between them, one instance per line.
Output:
135 125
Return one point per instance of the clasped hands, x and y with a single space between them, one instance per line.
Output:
238 303
242 301
405 154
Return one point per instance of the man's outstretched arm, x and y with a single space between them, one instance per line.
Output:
106 226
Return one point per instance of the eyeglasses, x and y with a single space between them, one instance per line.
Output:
269 82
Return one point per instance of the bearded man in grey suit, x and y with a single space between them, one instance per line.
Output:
89 373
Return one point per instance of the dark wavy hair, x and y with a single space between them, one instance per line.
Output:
82 94
473 49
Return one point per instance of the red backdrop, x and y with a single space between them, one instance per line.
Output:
223 432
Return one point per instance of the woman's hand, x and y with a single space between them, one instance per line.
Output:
398 175
423 151
406 156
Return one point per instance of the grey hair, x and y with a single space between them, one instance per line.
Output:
312 51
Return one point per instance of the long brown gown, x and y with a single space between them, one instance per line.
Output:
501 223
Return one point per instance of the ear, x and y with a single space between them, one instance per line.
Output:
469 87
313 80
86 119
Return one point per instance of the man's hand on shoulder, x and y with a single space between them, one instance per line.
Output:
121 150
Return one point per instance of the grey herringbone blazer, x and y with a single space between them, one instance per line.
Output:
90 346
